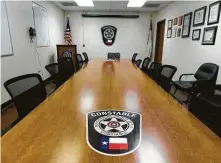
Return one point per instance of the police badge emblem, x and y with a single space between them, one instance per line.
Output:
113 132
108 34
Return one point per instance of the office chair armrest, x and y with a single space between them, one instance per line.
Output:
185 75
200 84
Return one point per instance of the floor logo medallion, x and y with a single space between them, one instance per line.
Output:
113 132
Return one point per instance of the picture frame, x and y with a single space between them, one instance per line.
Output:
180 21
169 33
179 32
199 16
187 18
209 35
175 20
214 13
174 31
196 34
170 23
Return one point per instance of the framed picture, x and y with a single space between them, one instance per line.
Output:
209 35
175 21
186 25
178 32
214 13
169 33
170 23
180 20
199 16
196 34
174 32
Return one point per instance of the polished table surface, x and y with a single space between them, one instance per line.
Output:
55 131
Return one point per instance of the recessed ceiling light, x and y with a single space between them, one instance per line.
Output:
136 3
85 3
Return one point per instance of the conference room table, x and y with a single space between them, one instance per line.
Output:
55 131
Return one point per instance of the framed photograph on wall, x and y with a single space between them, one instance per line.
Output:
186 25
178 32
199 16
196 34
170 23
214 13
174 30
180 20
209 35
169 33
175 20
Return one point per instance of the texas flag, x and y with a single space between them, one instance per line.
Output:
107 143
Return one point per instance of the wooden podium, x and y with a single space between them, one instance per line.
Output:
68 51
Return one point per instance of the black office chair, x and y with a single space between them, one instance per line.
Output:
117 56
205 76
207 108
134 58
165 77
66 68
53 70
85 57
154 70
113 56
80 61
26 91
138 62
145 64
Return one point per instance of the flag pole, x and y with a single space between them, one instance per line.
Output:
150 38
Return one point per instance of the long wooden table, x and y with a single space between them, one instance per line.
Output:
55 131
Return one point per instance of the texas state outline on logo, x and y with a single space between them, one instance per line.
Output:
113 132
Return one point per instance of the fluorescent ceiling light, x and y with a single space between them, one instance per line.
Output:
85 3
136 3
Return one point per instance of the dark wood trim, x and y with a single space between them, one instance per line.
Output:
156 42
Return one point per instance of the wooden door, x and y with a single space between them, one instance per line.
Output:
159 41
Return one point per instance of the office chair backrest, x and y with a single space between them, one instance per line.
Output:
209 72
52 68
168 71
26 91
114 56
85 57
145 64
117 56
134 57
154 70
166 74
138 62
66 67
79 61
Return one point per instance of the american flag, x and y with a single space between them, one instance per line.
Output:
67 35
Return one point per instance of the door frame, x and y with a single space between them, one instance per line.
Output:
164 20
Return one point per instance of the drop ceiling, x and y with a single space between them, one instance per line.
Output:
111 5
